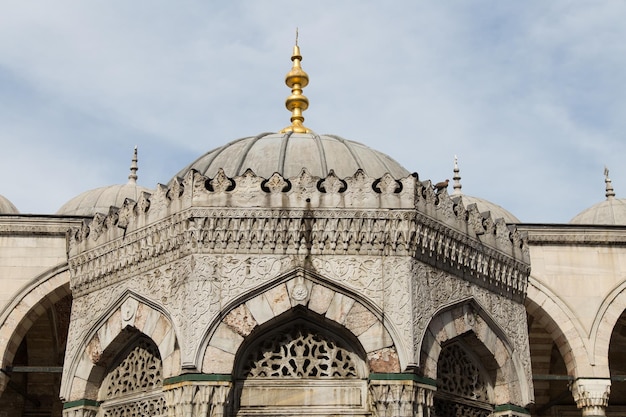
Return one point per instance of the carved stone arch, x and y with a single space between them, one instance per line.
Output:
31 302
307 292
467 323
300 363
608 315
130 314
562 325
131 376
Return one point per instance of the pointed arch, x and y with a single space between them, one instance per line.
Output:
31 302
562 325
467 322
110 334
306 292
609 313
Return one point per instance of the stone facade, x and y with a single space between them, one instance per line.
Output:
353 286
358 296
308 296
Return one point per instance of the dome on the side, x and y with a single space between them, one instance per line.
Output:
288 153
497 212
6 207
611 211
101 199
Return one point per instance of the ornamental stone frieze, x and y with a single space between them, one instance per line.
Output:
299 216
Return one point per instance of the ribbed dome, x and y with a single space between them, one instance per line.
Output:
6 207
101 199
496 211
611 211
287 153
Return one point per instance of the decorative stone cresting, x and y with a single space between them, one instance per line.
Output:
229 334
141 317
592 395
241 214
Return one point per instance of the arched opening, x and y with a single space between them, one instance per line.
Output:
300 365
133 379
550 378
617 365
35 372
466 373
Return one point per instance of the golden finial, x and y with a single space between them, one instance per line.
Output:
296 103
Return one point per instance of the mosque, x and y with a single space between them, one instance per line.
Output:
299 274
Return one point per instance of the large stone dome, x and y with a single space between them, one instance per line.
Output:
6 207
611 211
101 199
288 153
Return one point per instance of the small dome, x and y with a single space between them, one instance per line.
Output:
101 199
611 211
287 153
6 207
497 212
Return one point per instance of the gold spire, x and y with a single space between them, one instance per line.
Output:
296 103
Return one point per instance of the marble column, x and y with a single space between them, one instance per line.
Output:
592 395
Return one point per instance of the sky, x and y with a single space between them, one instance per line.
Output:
530 96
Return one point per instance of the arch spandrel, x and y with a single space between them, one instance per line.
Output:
131 313
292 297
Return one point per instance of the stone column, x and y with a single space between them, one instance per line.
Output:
197 399
401 398
592 395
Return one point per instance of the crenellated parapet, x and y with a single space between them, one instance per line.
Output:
302 215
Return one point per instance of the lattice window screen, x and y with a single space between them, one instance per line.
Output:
133 388
299 353
462 388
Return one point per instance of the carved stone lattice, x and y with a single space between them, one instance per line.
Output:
463 390
444 408
134 386
459 375
299 353
140 370
154 407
